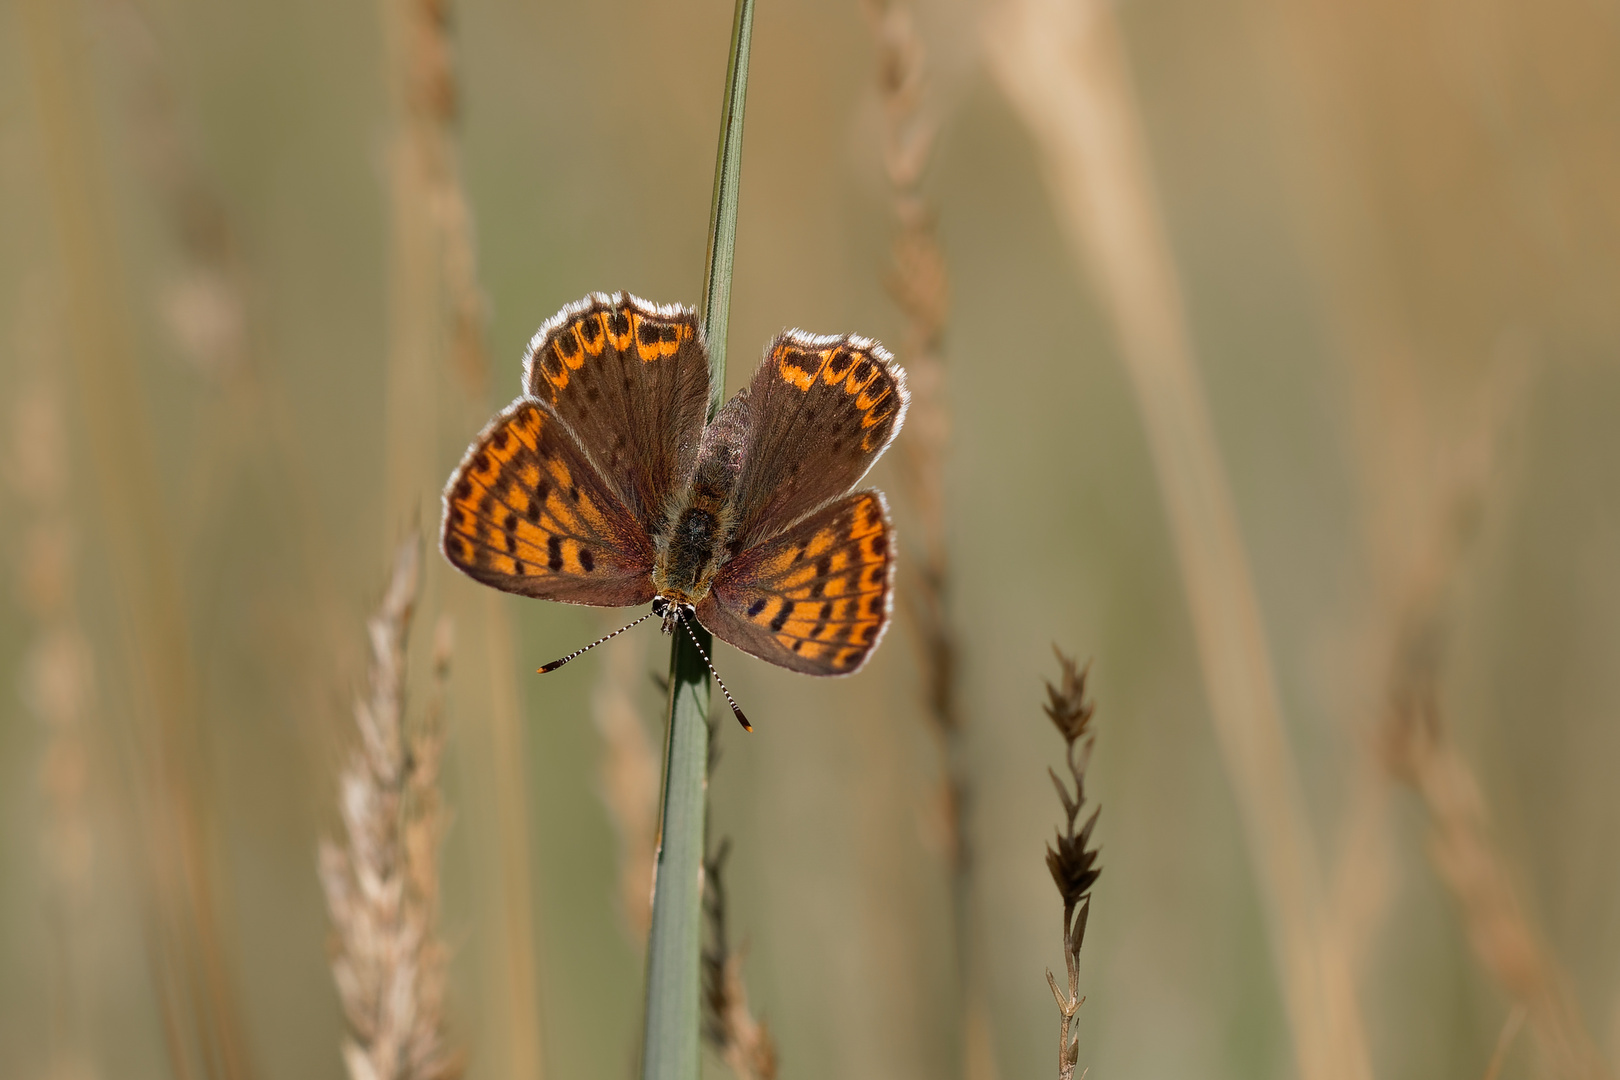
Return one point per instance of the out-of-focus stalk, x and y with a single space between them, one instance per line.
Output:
918 283
1063 67
57 687
190 958
436 375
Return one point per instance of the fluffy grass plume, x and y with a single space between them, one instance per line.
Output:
382 881
743 1042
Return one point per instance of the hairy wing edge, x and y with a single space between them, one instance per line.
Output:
752 524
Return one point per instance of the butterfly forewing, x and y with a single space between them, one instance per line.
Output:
529 513
819 412
631 379
815 598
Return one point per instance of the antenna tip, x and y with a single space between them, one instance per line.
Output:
553 666
743 720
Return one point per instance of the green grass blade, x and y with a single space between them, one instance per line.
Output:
670 1043
723 207
670 1049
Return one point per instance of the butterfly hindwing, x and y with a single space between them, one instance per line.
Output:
528 512
818 413
814 599
632 380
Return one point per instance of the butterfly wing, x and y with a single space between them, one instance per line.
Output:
818 413
529 513
815 598
631 379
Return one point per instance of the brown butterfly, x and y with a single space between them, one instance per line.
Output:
602 485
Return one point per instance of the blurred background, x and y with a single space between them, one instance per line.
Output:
265 268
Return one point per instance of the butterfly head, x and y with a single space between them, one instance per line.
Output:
671 611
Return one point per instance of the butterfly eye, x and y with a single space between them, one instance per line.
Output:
660 605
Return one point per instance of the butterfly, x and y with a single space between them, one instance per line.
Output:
602 484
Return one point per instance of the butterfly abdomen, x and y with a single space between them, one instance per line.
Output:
703 522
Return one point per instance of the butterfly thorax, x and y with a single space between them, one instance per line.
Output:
695 545
686 566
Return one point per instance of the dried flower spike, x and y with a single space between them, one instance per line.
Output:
743 1043
382 883
1072 861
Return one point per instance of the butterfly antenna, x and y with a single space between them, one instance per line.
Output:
555 664
741 719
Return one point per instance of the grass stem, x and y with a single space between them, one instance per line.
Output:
670 1045
723 209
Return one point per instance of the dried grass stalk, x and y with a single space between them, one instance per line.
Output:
191 960
205 304
436 313
1072 862
56 687
1419 750
1414 745
918 283
743 1042
382 883
433 265
1063 68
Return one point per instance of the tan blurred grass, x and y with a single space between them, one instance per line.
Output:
1415 745
1442 360
918 282
1064 69
435 345
1422 148
57 689
191 957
